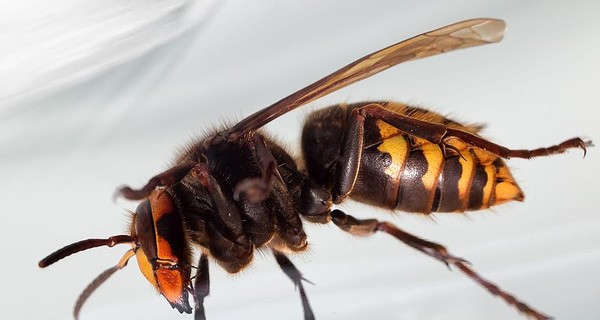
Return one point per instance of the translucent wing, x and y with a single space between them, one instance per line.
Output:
464 34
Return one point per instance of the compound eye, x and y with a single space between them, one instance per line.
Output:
144 230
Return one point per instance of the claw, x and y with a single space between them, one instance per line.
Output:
117 194
584 145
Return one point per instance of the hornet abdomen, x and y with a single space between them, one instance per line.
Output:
402 172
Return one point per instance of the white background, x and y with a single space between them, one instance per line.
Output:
62 156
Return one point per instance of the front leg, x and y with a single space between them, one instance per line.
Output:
165 179
371 226
201 288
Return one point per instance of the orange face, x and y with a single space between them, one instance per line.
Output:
161 252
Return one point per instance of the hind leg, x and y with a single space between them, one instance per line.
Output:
371 226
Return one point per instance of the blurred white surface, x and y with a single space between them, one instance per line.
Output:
48 45
62 157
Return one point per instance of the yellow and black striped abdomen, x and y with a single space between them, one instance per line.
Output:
473 179
399 171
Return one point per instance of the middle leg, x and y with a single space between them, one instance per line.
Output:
258 189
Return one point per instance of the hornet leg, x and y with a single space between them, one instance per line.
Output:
201 287
294 274
258 189
164 179
371 226
437 133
